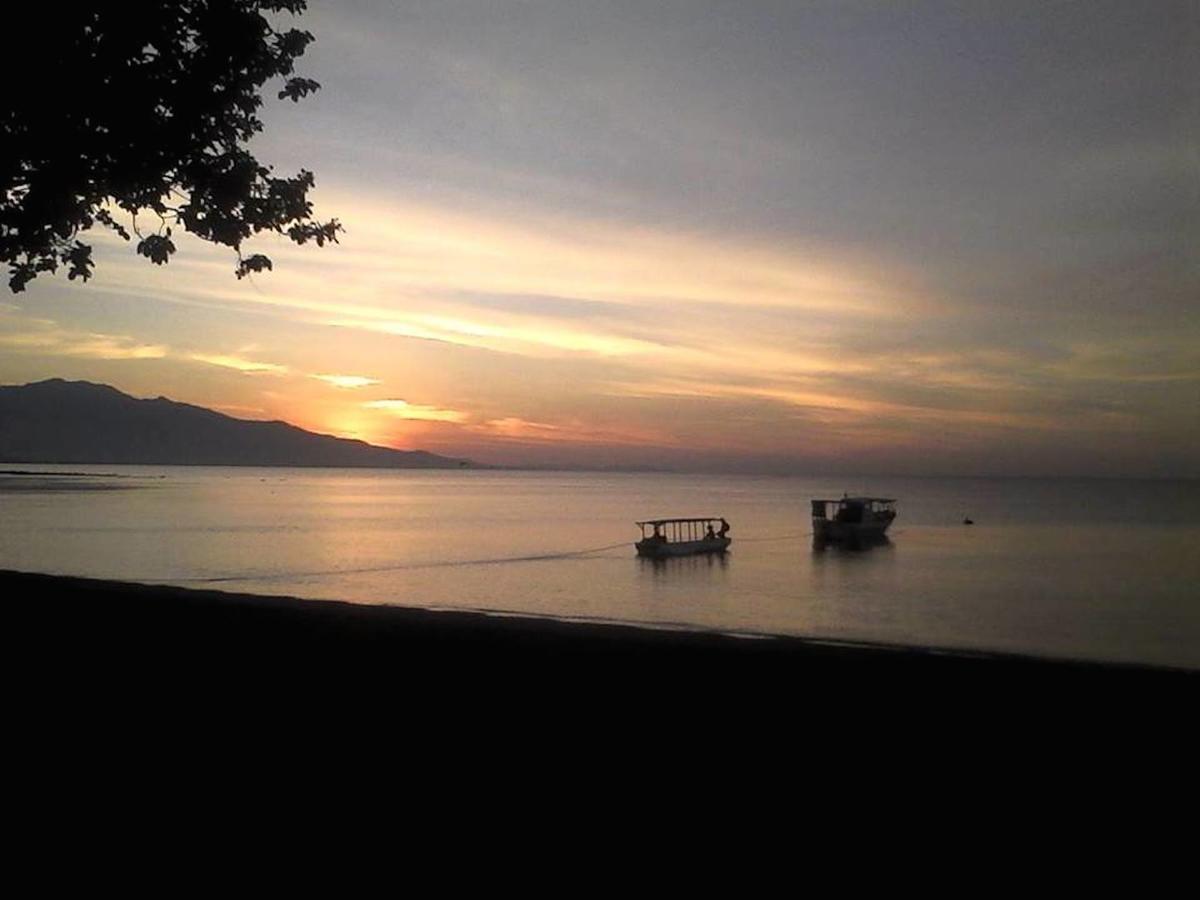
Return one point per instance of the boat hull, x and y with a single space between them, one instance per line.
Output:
660 550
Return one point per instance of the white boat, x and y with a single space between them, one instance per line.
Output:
683 537
852 518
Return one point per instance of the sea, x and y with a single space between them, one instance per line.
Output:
1104 570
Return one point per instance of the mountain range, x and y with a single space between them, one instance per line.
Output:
57 421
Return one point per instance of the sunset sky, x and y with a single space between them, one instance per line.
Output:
913 238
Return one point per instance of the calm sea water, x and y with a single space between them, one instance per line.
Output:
1104 570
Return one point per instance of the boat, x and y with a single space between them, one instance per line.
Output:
852 518
683 537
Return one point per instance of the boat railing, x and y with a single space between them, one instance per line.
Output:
678 531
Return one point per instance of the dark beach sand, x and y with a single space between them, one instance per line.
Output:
192 684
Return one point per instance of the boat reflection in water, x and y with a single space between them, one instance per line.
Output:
676 566
851 545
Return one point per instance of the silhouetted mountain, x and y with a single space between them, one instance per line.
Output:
60 421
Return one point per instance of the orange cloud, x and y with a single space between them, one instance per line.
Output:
347 381
404 410
247 366
515 428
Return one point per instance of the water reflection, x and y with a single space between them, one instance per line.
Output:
672 566
851 546
36 482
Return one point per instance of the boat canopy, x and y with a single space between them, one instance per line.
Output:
666 521
852 509
858 500
701 528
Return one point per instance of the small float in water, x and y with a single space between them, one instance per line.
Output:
852 518
683 537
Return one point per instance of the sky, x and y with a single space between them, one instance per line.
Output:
906 238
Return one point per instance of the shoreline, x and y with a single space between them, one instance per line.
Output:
72 624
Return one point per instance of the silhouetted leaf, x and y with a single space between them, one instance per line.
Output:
79 258
255 263
297 88
156 248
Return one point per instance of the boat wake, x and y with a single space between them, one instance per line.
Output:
782 537
396 567
431 564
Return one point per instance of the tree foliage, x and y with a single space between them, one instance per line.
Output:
139 112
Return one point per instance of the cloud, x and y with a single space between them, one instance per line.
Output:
45 337
514 428
347 381
246 366
404 410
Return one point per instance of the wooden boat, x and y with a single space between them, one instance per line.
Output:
852 518
683 537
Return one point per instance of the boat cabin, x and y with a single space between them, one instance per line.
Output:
681 537
854 510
